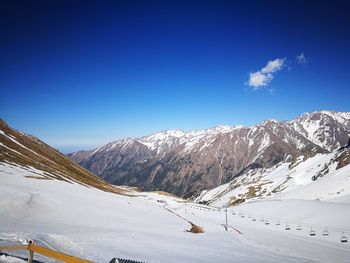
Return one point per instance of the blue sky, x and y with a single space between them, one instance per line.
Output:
78 74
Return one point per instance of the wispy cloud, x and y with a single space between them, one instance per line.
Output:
263 77
301 59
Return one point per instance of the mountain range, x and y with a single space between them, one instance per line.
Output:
186 163
46 197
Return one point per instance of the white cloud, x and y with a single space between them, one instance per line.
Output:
273 65
258 79
264 76
301 59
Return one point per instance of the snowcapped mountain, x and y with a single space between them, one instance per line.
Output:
328 129
185 163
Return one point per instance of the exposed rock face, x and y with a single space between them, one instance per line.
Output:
186 163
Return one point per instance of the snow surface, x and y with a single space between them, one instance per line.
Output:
292 183
97 225
9 259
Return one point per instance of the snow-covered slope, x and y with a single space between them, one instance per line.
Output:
29 151
97 225
325 128
313 178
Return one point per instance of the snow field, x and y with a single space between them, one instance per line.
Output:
98 226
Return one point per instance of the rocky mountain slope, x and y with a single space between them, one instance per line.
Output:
185 163
28 152
323 177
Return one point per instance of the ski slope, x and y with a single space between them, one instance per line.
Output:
286 181
97 225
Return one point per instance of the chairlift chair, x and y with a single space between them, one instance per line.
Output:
278 223
298 227
312 232
249 216
325 232
267 222
262 219
242 216
253 219
287 227
343 238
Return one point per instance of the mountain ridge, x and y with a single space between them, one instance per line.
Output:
29 152
184 163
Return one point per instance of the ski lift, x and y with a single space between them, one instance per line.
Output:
343 238
325 232
287 227
242 216
250 216
262 219
278 223
233 213
312 232
298 227
267 222
253 219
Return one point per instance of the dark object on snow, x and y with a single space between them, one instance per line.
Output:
312 232
343 238
325 232
122 260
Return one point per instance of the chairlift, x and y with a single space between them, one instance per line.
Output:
267 222
242 216
298 227
287 227
253 219
325 232
343 238
262 219
312 232
233 213
278 223
250 216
